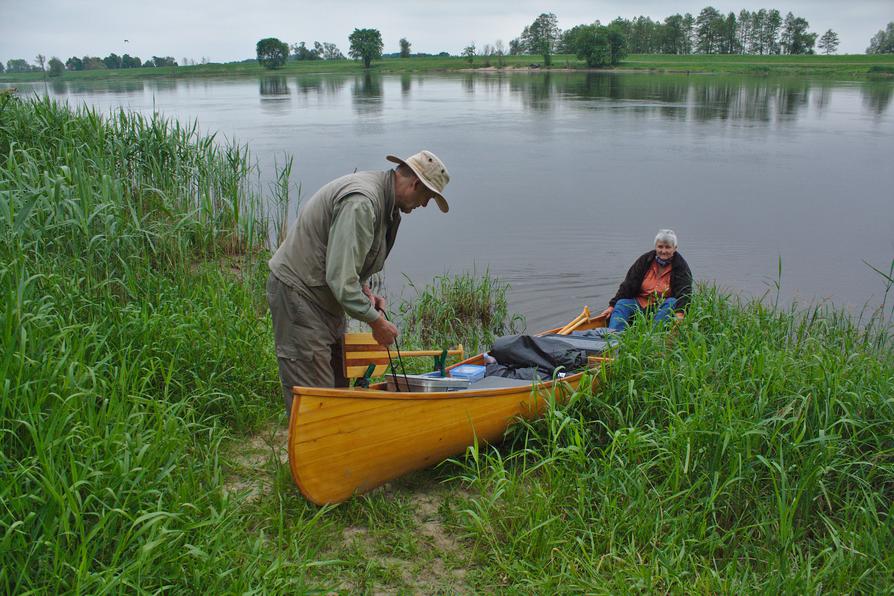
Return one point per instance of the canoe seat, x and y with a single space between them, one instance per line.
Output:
360 350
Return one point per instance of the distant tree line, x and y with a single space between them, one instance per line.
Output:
112 61
320 51
597 44
761 32
365 45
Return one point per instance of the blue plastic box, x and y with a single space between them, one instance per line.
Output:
473 372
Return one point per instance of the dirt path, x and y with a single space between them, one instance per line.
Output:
400 538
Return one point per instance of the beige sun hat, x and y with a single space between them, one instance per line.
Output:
431 171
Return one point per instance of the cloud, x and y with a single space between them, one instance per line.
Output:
227 30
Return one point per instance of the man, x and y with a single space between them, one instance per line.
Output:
320 272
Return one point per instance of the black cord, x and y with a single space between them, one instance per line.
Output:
393 373
400 359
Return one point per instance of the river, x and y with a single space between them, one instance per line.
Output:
560 180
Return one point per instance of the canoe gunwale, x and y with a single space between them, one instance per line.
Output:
299 392
373 392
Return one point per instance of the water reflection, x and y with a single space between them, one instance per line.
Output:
320 85
163 85
536 90
791 98
701 99
469 79
406 83
367 94
84 87
822 96
877 96
274 87
58 86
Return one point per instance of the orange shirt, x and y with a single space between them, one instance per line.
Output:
654 285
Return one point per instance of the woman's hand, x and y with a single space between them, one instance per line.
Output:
607 312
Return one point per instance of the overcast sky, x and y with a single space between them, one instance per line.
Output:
225 30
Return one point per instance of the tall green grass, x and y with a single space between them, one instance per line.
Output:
464 308
133 342
751 452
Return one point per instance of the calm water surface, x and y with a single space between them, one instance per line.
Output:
560 180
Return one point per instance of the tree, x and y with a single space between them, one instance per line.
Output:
598 45
541 36
160 61
883 41
500 52
404 48
128 61
112 61
729 43
74 63
674 35
18 65
772 23
301 52
515 47
330 52
56 67
795 39
828 43
366 45
2 68
743 33
709 30
469 52
272 53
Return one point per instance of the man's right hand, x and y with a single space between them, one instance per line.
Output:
384 332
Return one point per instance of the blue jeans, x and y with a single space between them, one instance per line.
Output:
626 309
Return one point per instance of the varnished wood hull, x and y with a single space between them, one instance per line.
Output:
348 441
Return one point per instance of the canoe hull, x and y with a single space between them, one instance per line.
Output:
344 442
340 446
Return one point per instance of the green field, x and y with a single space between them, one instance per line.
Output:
847 66
142 438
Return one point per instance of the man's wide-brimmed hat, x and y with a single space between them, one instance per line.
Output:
431 171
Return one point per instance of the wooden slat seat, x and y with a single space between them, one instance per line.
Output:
360 350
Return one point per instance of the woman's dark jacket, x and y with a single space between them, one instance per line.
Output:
680 286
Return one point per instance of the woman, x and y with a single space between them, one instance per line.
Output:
659 277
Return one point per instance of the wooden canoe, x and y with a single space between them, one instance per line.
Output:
344 442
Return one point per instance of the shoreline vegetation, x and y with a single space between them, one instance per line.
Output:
142 434
854 66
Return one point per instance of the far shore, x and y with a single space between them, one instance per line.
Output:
845 67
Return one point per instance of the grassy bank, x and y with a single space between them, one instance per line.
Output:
752 453
141 437
854 66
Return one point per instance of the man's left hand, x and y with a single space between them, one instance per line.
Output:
378 302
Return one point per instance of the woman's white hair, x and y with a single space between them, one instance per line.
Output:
666 236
